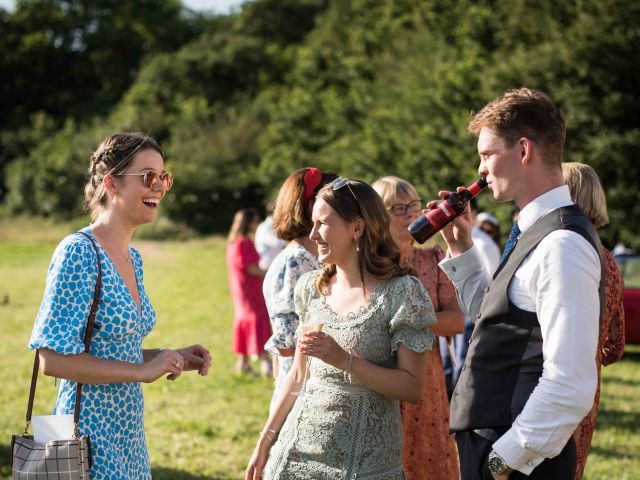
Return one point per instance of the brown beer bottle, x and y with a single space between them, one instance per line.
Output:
426 226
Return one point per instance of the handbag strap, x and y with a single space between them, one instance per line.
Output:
87 344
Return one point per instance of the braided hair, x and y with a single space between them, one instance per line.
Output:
112 156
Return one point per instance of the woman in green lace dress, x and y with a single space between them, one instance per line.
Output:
369 355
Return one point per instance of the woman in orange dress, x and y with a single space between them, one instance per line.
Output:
586 191
429 450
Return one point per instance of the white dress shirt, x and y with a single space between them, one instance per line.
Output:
559 281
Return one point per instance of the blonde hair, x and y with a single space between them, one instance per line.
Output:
292 215
524 113
378 253
242 221
391 187
586 190
113 155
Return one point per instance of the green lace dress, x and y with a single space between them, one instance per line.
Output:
346 430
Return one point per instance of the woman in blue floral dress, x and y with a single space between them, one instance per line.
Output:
370 354
127 182
292 223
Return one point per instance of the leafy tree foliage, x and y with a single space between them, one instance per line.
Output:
75 59
66 56
366 88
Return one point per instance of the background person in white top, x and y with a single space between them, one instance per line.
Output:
489 224
267 243
520 143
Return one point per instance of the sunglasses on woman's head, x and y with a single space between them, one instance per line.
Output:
339 183
150 178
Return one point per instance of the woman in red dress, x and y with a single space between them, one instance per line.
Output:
429 450
251 327
586 191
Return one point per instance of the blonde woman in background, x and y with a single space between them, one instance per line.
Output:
586 191
429 449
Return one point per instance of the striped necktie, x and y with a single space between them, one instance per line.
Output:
511 241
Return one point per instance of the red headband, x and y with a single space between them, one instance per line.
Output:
312 178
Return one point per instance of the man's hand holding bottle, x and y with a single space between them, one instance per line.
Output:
451 216
457 233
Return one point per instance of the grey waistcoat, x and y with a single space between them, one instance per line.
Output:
504 361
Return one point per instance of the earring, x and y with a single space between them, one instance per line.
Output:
114 200
356 242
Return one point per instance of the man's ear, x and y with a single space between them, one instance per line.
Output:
526 150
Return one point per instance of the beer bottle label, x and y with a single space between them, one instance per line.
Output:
440 216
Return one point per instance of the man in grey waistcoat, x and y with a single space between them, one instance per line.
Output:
530 373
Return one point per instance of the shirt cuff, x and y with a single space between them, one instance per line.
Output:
515 455
464 265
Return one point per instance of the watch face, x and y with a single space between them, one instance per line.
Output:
496 465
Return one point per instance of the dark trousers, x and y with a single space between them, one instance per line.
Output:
474 451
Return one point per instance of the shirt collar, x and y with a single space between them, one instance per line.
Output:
540 206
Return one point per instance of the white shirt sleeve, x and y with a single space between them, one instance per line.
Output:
562 277
468 274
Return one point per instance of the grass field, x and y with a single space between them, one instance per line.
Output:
205 428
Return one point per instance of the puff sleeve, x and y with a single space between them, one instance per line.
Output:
279 291
411 315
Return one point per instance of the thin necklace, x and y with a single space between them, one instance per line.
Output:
126 257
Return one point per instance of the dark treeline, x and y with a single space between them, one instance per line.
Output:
365 88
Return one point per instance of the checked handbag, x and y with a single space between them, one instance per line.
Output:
68 459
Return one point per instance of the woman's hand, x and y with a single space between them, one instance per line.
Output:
196 357
164 361
258 459
324 347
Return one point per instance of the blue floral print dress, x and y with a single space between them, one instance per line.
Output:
278 288
111 414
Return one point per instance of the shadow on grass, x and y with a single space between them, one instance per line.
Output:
161 473
618 420
5 461
609 453
633 356
621 381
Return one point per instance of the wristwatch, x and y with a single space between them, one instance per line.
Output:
497 465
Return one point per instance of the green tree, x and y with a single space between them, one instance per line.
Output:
364 88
